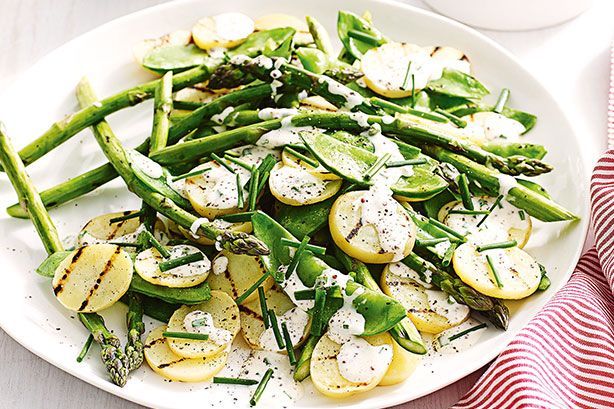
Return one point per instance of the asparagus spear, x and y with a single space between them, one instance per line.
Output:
303 365
240 243
136 328
96 110
163 104
89 181
112 356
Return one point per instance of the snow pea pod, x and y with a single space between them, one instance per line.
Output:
380 311
458 84
507 149
303 221
357 34
174 58
189 295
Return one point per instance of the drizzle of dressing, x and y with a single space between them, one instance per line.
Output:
196 225
221 117
442 304
297 184
352 98
361 362
296 321
495 125
149 260
276 113
147 166
219 336
283 136
293 284
506 183
401 270
220 265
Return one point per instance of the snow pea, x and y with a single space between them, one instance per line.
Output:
189 295
458 84
263 40
50 264
357 34
507 149
303 221
174 58
380 311
526 119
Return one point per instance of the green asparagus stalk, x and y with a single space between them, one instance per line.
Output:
496 312
91 180
304 362
320 36
241 243
163 104
69 126
112 356
136 328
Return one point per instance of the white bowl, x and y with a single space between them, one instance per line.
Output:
510 15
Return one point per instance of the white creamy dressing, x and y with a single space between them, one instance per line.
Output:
296 321
506 183
196 225
360 362
441 248
297 184
148 262
302 95
220 265
219 336
145 165
283 136
221 117
292 284
441 345
217 187
352 98
403 271
442 304
276 113
233 26
495 125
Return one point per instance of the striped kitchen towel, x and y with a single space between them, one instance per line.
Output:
564 358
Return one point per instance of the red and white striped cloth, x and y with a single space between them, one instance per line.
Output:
564 358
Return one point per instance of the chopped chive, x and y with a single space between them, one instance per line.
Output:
232 153
365 38
377 166
86 347
251 289
120 244
254 191
297 255
234 381
495 204
463 186
502 100
430 242
314 249
468 212
222 162
237 162
447 257
190 174
180 261
521 215
387 105
453 118
407 162
240 201
126 217
263 382
263 307
199 323
186 105
289 346
318 311
309 294
500 245
447 229
413 91
264 169
154 242
467 331
314 163
404 86
391 106
275 326
237 217
494 271
186 335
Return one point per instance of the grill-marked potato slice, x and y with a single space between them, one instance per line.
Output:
92 278
223 30
147 265
325 373
517 272
280 20
429 310
321 172
100 230
295 186
225 314
241 272
165 362
363 241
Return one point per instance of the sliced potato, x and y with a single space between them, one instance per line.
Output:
165 362
93 277
191 94
363 241
453 57
252 325
318 103
325 373
241 272
517 273
496 126
179 37
403 365
147 265
223 30
320 172
297 187
225 314
279 20
429 310
504 217
243 227
100 230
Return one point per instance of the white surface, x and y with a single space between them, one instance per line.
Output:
579 65
510 15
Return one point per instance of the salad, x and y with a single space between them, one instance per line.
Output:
306 212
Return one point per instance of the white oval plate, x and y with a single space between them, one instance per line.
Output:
45 93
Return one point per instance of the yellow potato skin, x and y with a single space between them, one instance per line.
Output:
403 365
332 187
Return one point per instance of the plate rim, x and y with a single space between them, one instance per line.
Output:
103 384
